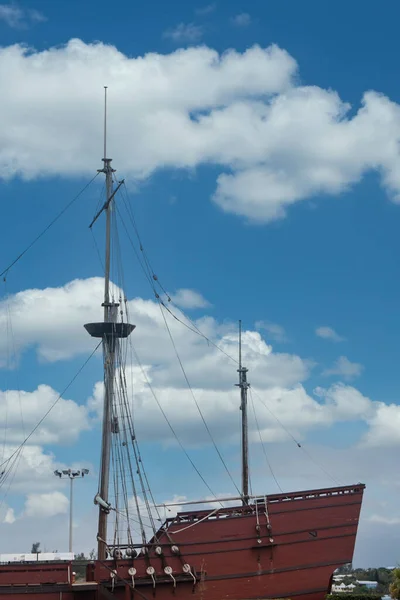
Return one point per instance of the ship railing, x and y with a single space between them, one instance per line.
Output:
227 511
311 494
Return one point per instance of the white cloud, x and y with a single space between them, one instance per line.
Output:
382 420
384 426
274 141
206 10
11 14
327 333
304 146
33 313
158 98
279 409
22 410
275 331
46 505
185 32
34 470
217 395
384 520
17 17
9 516
346 402
185 298
344 368
277 376
50 527
242 20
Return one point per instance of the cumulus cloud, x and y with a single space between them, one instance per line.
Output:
46 505
382 420
34 469
384 426
274 141
32 314
275 375
327 333
185 298
346 401
184 32
278 409
21 411
343 367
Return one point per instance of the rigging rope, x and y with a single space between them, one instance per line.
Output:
127 464
262 443
331 477
10 474
197 331
197 522
197 404
145 265
171 427
133 520
125 446
153 279
51 407
97 251
5 272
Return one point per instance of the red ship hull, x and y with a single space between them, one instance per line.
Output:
282 546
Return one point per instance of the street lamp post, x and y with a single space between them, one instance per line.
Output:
72 475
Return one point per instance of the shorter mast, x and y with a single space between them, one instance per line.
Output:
244 385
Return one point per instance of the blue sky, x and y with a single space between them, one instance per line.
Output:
330 260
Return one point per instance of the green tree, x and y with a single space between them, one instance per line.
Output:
80 556
394 588
345 569
35 548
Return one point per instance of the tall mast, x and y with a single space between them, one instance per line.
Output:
243 385
108 355
110 331
108 171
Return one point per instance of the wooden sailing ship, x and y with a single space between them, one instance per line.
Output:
265 547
